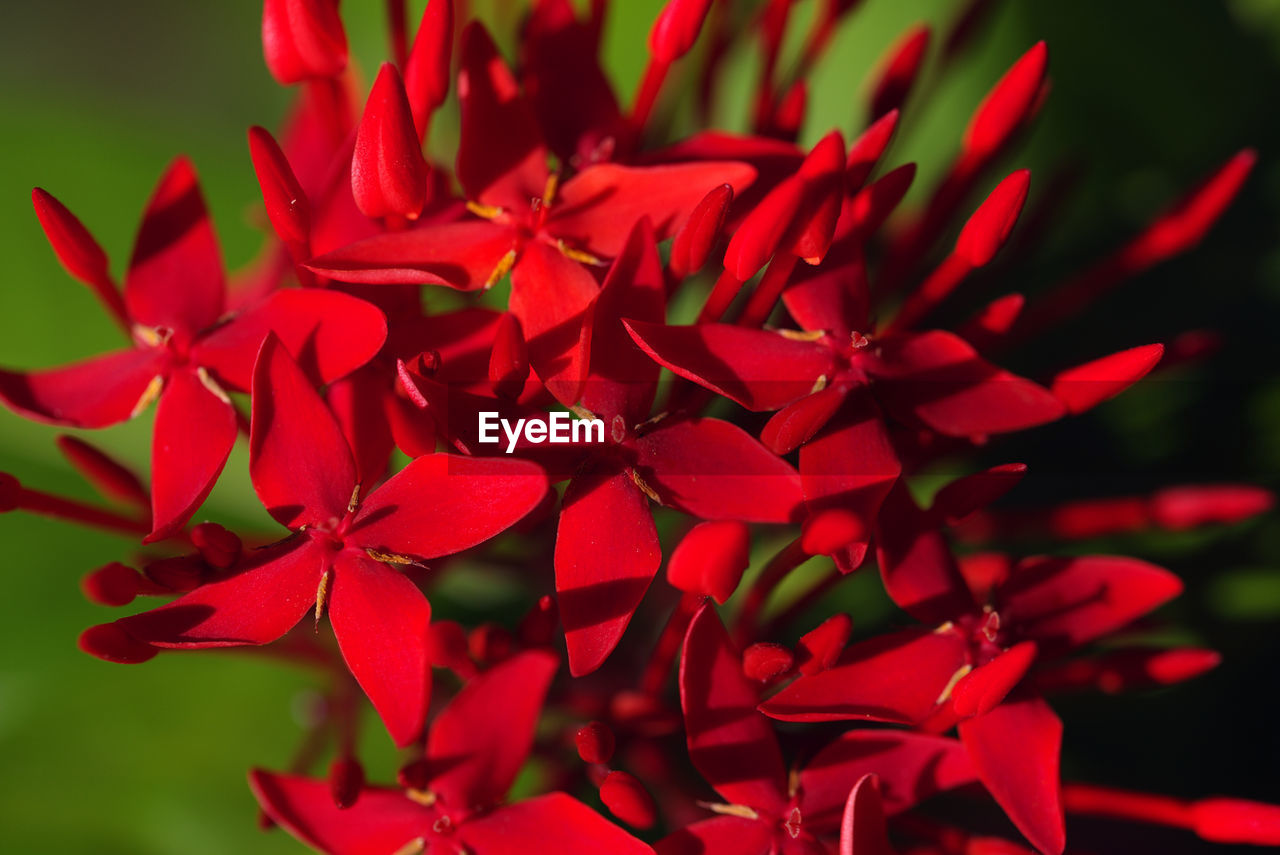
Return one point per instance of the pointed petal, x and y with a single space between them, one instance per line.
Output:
710 559
381 622
76 248
1193 505
194 432
480 740
866 150
979 691
426 73
388 172
721 835
328 333
381 821
299 460
919 573
862 828
893 678
971 493
698 236
459 255
798 422
175 277
501 157
716 470
606 554
443 503
554 824
97 392
760 369
1067 602
256 602
596 208
730 743
834 296
942 381
1085 386
623 379
360 403
912 767
552 296
1015 750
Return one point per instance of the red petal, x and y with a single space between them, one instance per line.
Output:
509 360
834 296
760 369
1179 508
993 322
979 691
260 601
328 333
715 470
94 393
286 201
109 477
79 253
1066 602
597 208
501 157
426 74
442 503
939 378
912 767
359 403
480 740
299 460
595 742
916 564
862 829
628 800
798 422
606 554
380 821
974 492
112 585
899 72
723 835
822 177
731 744
765 660
710 559
755 241
1237 821
175 277
110 643
388 172
552 296
194 432
819 648
554 824
623 380
1085 386
1007 105
676 29
866 150
989 226
895 678
460 255
697 237
1015 750
302 39
381 621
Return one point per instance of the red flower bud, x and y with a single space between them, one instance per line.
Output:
899 72
489 643
1179 508
867 149
286 202
628 800
830 530
677 28
595 742
989 226
426 74
1085 386
710 559
1007 105
819 648
538 628
10 493
1237 821
388 172
79 253
346 780
509 360
180 573
109 642
765 660
112 585
219 546
698 235
303 39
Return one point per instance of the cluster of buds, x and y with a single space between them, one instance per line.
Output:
559 252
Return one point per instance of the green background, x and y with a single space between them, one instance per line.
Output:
1147 97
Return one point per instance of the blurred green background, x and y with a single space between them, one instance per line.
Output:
1147 97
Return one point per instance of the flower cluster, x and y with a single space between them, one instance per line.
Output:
560 253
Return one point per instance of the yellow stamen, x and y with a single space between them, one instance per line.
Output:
322 596
148 395
578 255
730 810
501 269
801 335
394 558
960 674
426 798
414 847
488 212
819 384
212 385
644 488
549 192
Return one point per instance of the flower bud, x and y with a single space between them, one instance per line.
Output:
765 660
710 559
388 172
426 74
989 226
285 200
820 647
346 780
677 28
899 72
218 546
509 359
697 236
303 39
112 585
1009 103
595 742
830 530
628 800
109 642
1180 508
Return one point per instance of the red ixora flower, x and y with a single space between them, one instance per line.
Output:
189 345
347 549
452 802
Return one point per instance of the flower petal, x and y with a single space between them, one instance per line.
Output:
730 743
443 503
97 392
480 740
606 554
77 250
194 432
554 824
919 573
299 460
175 279
1085 386
721 835
459 255
1015 750
862 828
379 822
381 621
760 369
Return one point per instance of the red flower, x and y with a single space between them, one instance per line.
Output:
346 546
